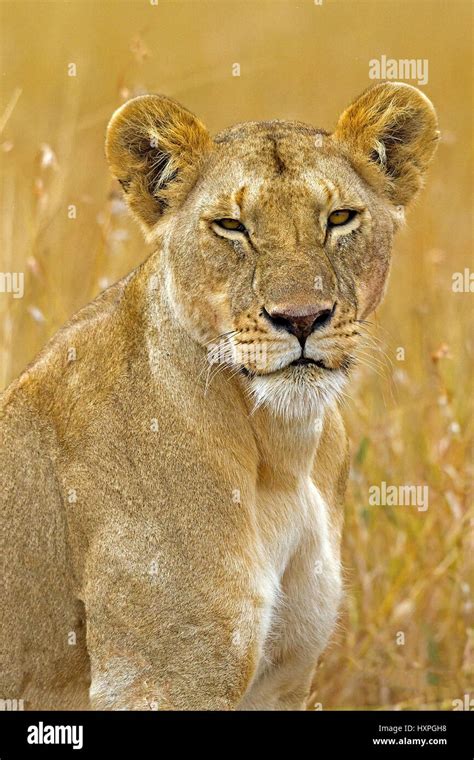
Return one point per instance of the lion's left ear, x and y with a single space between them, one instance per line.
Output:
155 148
392 127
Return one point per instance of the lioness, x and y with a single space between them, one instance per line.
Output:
173 464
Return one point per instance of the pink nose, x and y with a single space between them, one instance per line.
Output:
301 320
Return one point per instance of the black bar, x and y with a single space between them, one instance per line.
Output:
156 734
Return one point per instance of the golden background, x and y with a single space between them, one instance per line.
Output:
407 571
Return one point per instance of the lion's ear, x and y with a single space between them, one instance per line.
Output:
155 147
392 126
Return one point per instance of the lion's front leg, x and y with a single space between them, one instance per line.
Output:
283 685
171 640
312 590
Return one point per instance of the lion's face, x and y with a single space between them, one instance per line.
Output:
282 295
278 236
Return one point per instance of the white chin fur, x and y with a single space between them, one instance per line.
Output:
297 395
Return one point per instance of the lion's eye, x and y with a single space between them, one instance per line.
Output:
233 225
341 216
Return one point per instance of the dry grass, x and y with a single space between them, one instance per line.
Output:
410 421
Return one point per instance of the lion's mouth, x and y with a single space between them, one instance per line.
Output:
304 361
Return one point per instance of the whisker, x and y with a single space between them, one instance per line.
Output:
232 333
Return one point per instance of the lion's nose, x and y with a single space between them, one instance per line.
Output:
301 320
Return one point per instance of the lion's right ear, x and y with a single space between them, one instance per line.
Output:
393 128
155 148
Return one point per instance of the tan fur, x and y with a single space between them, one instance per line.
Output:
182 519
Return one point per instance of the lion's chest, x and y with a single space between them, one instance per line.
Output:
301 567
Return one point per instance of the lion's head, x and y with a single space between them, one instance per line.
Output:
276 236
